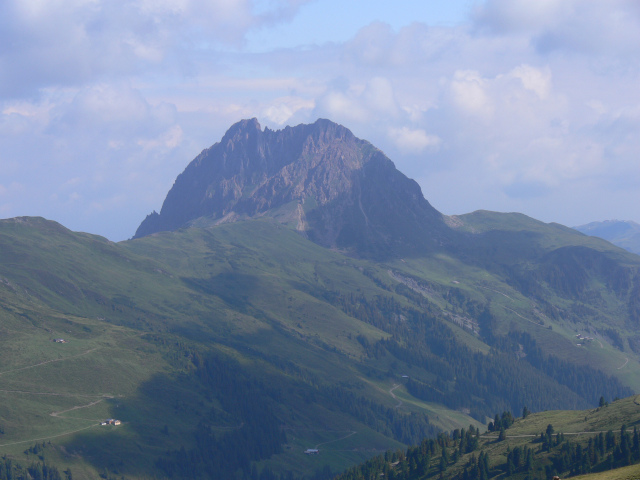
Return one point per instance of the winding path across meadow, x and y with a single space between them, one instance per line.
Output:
336 440
49 361
626 360
100 398
393 395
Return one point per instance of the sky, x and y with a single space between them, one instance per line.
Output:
504 105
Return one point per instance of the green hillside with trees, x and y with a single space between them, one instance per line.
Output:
597 441
231 350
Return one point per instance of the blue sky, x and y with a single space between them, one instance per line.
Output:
506 105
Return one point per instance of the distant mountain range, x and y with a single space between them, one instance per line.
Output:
625 234
296 291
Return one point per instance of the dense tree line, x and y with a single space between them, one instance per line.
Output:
467 379
634 301
248 404
406 428
486 383
502 422
10 470
587 382
257 434
602 452
430 456
460 456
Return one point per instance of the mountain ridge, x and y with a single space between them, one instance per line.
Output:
623 233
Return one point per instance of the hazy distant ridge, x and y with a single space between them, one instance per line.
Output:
623 233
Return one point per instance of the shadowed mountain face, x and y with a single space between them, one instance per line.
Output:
337 190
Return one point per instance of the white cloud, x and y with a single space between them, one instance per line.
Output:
281 110
341 105
358 102
380 97
168 139
536 80
528 100
413 140
372 45
521 16
68 43
468 90
588 27
109 104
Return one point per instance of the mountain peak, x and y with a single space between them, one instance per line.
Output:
334 188
243 129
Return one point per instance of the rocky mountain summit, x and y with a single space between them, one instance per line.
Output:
337 190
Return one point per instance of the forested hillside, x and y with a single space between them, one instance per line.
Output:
573 446
235 348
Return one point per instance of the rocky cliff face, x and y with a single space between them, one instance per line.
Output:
336 189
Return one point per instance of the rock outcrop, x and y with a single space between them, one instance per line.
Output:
339 191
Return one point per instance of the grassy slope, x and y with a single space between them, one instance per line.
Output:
612 417
576 425
254 291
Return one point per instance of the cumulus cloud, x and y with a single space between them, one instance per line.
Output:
282 110
520 16
534 79
103 103
372 45
62 42
584 26
98 143
358 102
522 120
413 140
468 92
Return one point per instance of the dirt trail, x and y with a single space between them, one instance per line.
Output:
32 440
53 394
393 395
524 318
336 440
495 291
49 361
77 407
